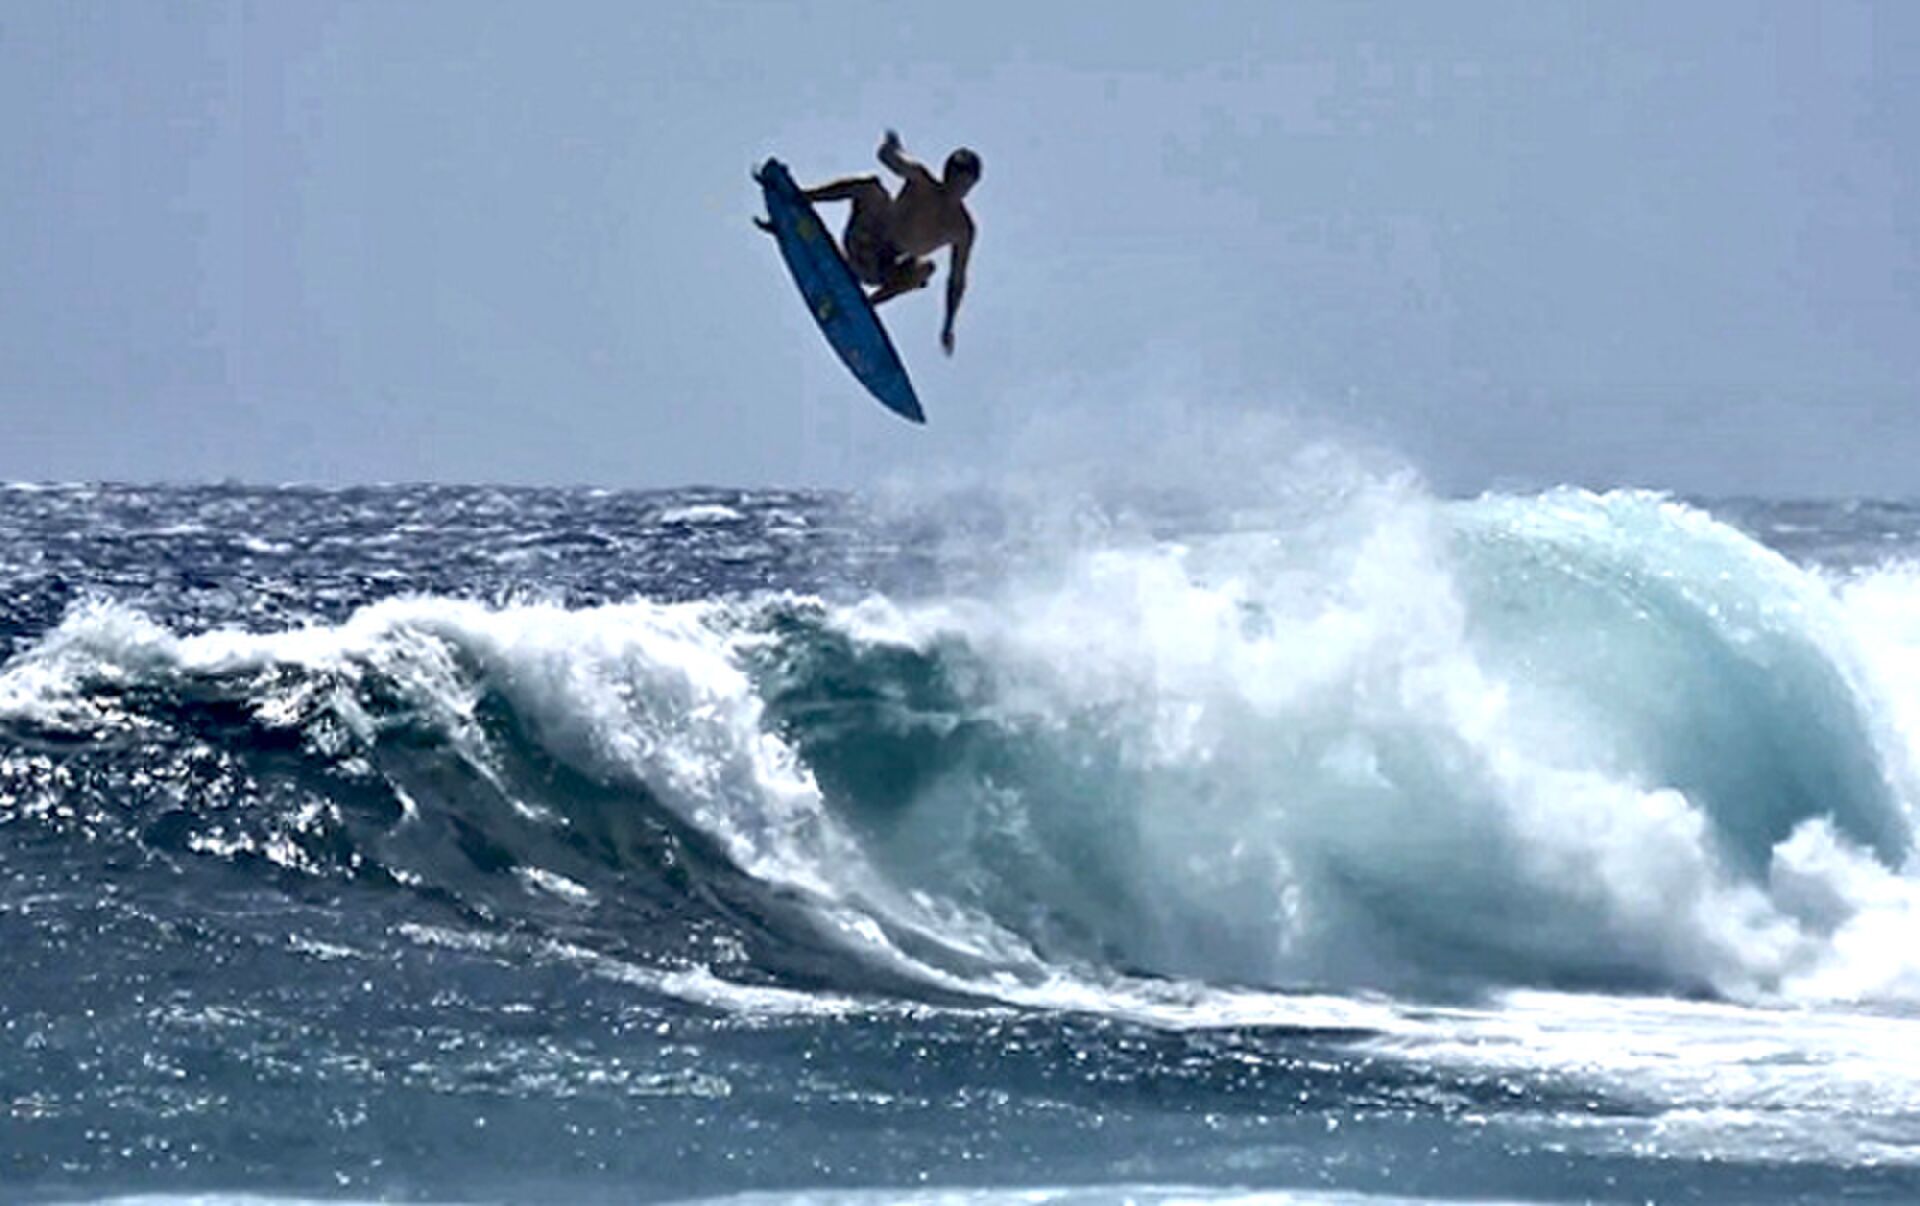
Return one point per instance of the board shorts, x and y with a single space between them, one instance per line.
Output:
873 258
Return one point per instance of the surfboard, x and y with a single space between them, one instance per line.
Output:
833 294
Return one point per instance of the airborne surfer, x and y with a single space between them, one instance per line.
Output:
888 236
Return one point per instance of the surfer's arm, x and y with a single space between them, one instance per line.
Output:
898 163
956 284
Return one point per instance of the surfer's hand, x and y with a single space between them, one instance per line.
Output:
890 143
946 340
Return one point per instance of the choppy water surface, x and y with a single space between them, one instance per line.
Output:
473 844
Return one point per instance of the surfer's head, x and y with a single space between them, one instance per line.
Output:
962 171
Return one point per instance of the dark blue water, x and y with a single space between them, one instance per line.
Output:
478 844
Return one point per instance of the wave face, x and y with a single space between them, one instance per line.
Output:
1557 741
545 845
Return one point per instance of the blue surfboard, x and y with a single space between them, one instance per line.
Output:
834 295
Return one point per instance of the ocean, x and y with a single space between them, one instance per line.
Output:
1348 844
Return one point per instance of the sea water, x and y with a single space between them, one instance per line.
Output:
471 844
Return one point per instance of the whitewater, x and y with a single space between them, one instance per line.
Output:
1338 842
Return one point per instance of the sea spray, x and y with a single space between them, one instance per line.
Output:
1548 741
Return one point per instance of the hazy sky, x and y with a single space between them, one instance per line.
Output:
1669 244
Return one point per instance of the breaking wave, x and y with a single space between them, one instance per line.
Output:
1569 740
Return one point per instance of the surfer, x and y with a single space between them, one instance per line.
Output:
887 236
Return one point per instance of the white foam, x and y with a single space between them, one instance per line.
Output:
1714 1081
1328 780
699 514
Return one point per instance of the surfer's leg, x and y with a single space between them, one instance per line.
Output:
904 277
870 199
869 253
852 188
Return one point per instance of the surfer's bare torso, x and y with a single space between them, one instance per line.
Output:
888 236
